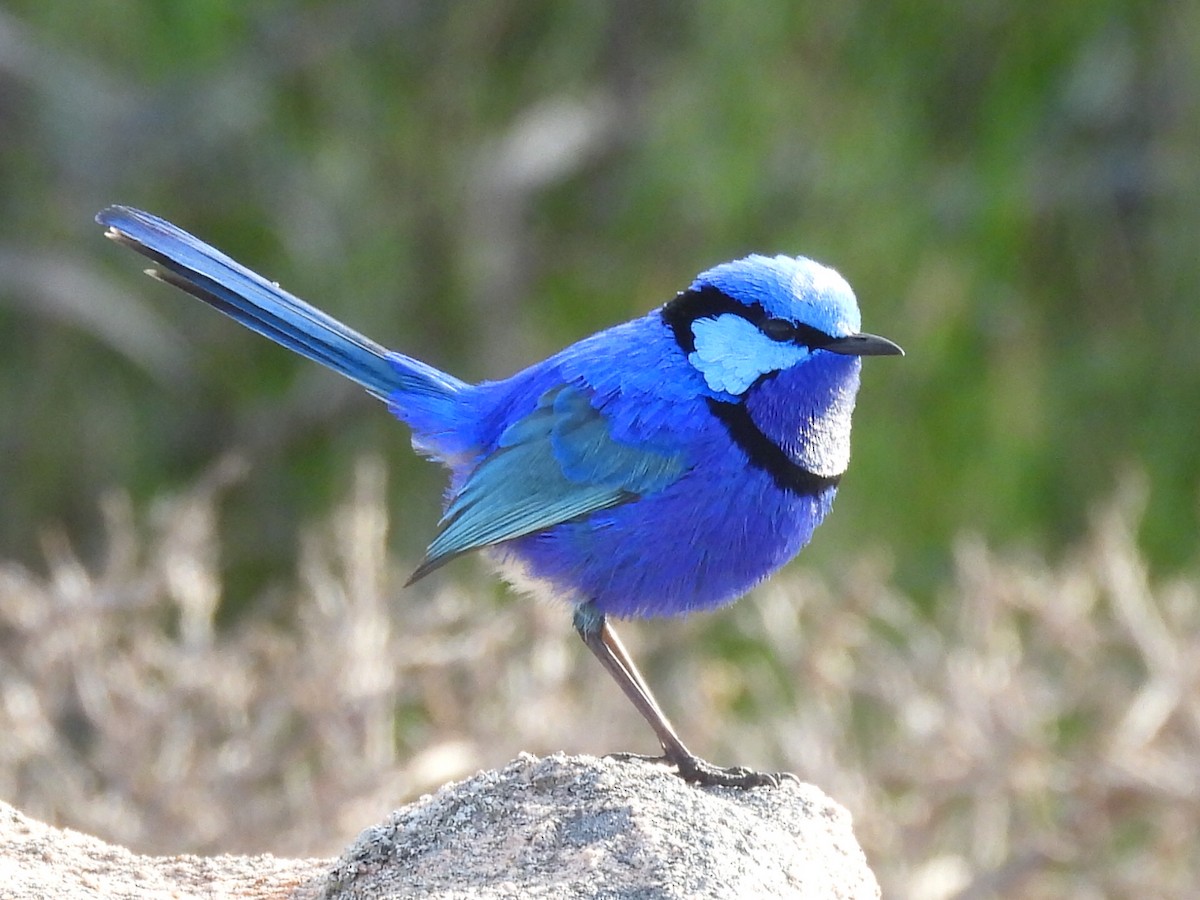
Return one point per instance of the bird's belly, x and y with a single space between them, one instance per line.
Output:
702 542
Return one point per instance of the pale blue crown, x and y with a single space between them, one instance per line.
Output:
794 288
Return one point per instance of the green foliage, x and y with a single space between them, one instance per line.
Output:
1011 188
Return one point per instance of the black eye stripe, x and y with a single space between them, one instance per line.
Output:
811 337
709 302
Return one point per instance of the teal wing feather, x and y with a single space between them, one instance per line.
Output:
557 463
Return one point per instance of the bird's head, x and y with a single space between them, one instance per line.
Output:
752 318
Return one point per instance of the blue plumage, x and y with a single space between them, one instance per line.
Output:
553 465
660 466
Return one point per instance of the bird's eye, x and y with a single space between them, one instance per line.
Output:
778 329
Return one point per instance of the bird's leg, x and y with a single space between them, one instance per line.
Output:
602 640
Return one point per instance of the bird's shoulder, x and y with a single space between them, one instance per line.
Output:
633 374
639 379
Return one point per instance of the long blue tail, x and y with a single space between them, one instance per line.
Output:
209 275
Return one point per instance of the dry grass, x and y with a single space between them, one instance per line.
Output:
1038 736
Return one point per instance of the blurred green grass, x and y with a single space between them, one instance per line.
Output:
1012 189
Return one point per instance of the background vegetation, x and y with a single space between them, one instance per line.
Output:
1011 187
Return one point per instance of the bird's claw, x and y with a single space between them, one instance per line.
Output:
698 771
701 772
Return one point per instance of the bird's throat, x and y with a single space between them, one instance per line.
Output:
763 453
804 412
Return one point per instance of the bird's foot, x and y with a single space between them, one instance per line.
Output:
698 771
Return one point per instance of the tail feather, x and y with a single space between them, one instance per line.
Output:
209 275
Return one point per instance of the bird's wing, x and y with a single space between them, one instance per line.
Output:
557 463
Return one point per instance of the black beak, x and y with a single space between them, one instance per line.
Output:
863 345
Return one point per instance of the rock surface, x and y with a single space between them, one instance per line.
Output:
38 861
564 827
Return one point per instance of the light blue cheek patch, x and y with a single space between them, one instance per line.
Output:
732 354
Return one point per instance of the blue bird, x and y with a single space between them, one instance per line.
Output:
658 467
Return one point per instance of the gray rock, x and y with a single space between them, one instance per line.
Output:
559 827
581 827
38 861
